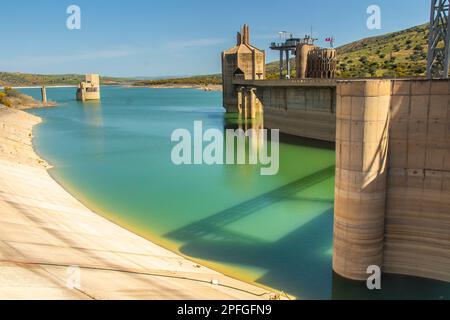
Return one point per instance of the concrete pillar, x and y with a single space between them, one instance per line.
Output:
252 102
302 59
288 64
281 64
240 93
245 104
44 95
361 176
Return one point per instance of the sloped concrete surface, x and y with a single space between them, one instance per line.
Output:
53 247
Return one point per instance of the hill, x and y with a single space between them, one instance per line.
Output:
397 54
214 79
10 79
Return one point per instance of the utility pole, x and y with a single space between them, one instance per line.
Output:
439 40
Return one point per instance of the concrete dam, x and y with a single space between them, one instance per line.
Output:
392 189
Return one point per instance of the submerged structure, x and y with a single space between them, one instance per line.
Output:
392 189
90 88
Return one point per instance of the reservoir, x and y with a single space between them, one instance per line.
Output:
276 231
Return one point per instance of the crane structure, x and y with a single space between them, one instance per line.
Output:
439 40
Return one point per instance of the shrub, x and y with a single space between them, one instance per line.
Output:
4 100
14 98
12 93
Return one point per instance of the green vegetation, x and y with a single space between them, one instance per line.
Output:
398 54
194 81
22 79
14 99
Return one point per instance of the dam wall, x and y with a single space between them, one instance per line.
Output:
305 108
417 232
392 198
392 190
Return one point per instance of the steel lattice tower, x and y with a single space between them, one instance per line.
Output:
439 41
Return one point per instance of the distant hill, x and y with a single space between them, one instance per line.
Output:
214 79
11 79
397 54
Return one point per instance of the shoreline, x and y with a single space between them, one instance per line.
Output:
45 232
208 88
163 243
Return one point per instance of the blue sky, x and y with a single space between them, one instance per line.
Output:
175 37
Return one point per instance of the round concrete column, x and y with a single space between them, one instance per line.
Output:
361 176
302 59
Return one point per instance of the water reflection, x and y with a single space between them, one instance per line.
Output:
93 116
93 113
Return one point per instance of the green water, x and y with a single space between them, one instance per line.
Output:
274 230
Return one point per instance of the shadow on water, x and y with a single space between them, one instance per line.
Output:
208 239
300 263
216 222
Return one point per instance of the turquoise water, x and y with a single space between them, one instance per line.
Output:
115 156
